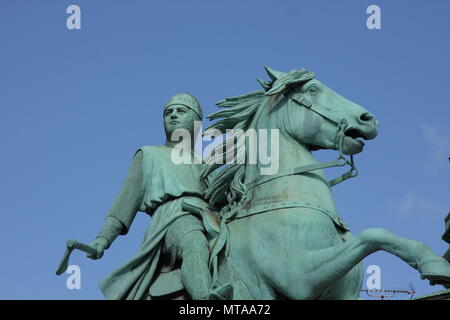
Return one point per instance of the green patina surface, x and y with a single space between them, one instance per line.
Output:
232 232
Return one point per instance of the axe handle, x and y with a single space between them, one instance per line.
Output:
82 246
70 246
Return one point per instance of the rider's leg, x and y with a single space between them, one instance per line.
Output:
194 253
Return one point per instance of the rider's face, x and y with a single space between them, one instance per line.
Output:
178 116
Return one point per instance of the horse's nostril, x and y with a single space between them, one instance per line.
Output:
366 117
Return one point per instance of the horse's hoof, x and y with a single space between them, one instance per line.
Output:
437 272
436 280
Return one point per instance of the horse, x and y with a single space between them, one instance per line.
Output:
280 235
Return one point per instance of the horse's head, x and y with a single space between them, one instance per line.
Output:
303 109
318 116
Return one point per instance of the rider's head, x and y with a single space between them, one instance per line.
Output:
180 112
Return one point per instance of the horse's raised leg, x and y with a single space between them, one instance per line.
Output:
318 270
417 254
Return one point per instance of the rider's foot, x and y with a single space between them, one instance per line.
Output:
223 292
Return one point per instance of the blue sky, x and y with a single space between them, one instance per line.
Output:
76 104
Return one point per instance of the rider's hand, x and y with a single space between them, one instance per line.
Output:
101 244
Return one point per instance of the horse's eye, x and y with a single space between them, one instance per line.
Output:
313 90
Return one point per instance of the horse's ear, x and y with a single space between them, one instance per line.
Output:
266 85
273 74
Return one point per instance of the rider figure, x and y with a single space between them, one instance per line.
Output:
157 186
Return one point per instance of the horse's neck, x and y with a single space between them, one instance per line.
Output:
291 154
283 149
310 187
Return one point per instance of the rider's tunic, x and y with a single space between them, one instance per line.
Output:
156 186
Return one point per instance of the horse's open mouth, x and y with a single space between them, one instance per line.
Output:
356 135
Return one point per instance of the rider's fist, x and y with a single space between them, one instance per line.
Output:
101 244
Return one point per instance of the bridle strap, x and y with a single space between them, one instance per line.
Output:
297 170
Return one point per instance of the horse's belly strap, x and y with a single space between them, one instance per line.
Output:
260 208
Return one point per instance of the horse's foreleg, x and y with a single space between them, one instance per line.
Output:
319 269
309 273
417 254
322 268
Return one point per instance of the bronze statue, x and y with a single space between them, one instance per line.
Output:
271 235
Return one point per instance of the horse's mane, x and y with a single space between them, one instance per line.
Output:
228 187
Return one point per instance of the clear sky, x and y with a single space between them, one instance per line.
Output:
76 104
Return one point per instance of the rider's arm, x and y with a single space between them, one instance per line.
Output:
126 204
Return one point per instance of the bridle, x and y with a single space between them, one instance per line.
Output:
339 142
